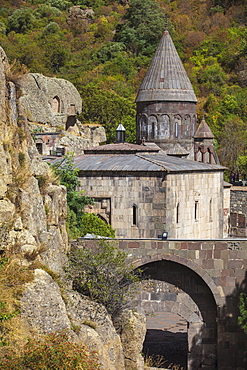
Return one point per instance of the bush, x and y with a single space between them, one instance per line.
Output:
53 352
103 274
92 224
242 319
21 21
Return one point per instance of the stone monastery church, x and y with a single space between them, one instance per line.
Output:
171 181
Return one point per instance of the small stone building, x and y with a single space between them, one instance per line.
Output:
143 192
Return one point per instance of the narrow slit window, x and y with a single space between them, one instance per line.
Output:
134 209
176 129
196 210
177 213
153 128
210 210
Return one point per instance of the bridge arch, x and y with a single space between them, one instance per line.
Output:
217 292
200 287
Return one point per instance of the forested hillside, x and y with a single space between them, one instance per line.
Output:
105 51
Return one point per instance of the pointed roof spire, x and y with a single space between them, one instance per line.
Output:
203 131
166 78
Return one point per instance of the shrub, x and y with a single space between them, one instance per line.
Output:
92 224
103 274
52 352
242 319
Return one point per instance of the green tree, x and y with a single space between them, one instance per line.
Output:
232 142
79 223
108 109
143 25
103 274
21 21
76 201
242 319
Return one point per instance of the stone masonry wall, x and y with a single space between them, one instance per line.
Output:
238 200
203 190
146 193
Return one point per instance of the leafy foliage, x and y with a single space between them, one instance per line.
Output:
107 54
78 222
103 274
109 110
242 319
92 224
143 25
53 352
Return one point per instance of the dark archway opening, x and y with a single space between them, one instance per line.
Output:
71 121
166 338
198 349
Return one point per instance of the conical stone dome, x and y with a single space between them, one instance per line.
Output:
166 78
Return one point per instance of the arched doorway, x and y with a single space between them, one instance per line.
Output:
192 300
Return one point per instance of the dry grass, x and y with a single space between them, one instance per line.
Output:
154 361
16 71
12 282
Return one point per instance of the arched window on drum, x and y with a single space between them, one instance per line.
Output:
152 127
164 132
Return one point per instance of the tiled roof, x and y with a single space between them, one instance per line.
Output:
166 78
144 162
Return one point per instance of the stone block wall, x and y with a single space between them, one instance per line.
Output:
124 193
200 190
239 200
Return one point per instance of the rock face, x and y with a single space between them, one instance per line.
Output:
51 106
96 330
33 213
132 328
80 18
45 311
49 100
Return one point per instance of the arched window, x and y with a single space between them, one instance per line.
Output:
134 215
56 104
177 125
164 132
152 127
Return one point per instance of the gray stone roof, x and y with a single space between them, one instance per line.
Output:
166 78
144 162
203 131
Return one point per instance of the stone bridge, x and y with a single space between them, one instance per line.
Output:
208 277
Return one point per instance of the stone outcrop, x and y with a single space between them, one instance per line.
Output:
132 328
48 100
51 106
33 211
80 18
96 330
45 311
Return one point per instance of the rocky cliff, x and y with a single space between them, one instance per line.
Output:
32 218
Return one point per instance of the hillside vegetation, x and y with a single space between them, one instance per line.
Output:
105 53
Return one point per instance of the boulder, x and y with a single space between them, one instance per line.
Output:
132 328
